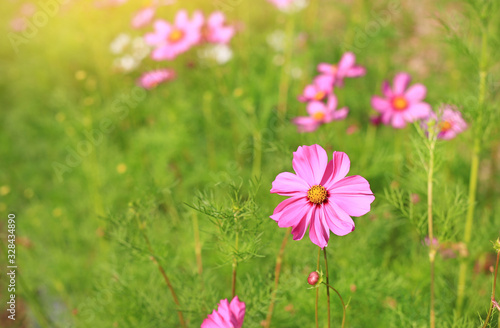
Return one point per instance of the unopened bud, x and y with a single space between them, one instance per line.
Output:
315 278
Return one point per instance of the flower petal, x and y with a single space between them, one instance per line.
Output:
289 184
386 90
339 222
380 104
299 230
353 195
417 111
400 83
398 121
278 211
416 93
336 169
293 214
346 62
306 124
319 232
315 106
309 162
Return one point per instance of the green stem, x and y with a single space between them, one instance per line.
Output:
257 153
285 72
462 278
328 284
277 271
317 292
209 129
162 271
197 246
432 250
490 311
235 262
343 305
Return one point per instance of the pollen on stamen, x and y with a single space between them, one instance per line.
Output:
176 35
319 95
317 194
399 103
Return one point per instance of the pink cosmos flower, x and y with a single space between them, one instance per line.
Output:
400 105
228 315
173 39
321 196
143 17
320 113
450 123
215 30
345 68
322 86
281 4
151 79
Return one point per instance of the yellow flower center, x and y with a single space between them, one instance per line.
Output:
399 103
444 126
319 95
317 194
176 35
319 116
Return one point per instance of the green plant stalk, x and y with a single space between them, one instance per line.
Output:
432 250
277 271
317 292
343 305
207 112
327 284
197 246
257 153
462 278
285 72
490 311
235 263
162 271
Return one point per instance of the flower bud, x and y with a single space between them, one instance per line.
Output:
315 278
496 245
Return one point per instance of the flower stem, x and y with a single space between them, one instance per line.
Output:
343 305
490 311
235 263
317 292
197 246
162 271
328 284
432 250
474 169
277 271
285 72
209 129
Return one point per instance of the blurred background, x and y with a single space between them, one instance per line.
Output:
91 162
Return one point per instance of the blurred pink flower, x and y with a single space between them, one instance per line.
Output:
215 30
450 123
228 315
321 87
321 196
400 105
28 9
173 39
320 113
151 79
345 68
281 4
143 17
18 24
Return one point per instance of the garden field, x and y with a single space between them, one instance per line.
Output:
238 163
